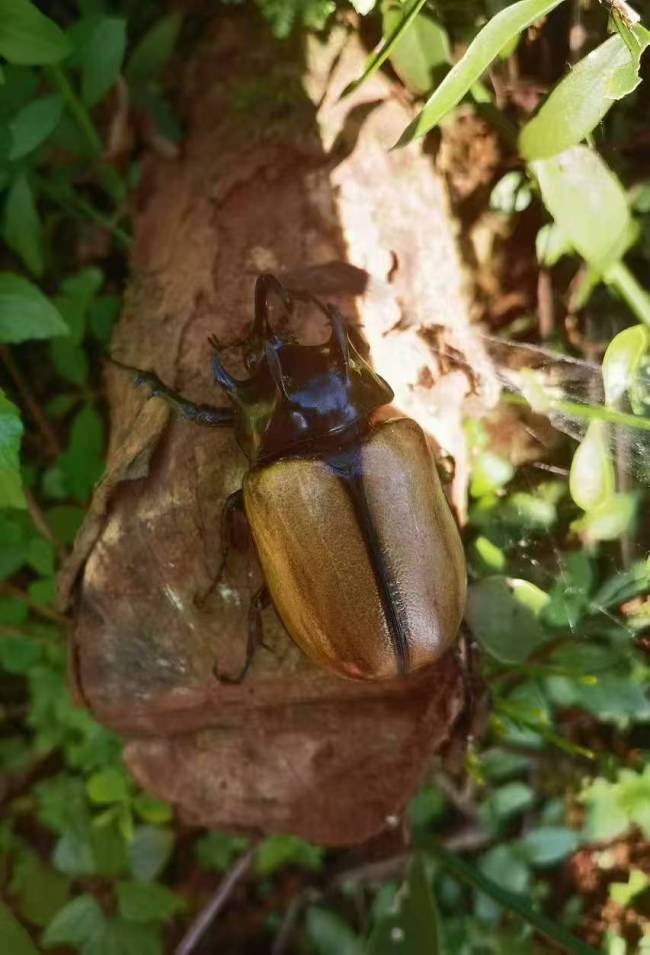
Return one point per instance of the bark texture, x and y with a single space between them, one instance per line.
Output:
275 174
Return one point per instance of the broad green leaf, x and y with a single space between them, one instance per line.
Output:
580 101
622 361
502 865
624 585
73 855
388 44
217 850
154 49
592 478
582 193
14 938
503 613
75 923
147 902
609 520
101 58
330 934
11 430
82 464
119 937
33 124
21 227
506 801
149 851
70 361
548 845
483 49
25 312
29 38
414 926
421 50
41 891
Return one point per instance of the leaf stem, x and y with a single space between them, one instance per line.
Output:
76 107
577 409
629 289
472 875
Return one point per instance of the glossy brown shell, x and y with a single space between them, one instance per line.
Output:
318 568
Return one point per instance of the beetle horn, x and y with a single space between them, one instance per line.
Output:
275 368
267 283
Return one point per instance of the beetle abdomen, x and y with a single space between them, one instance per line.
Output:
361 554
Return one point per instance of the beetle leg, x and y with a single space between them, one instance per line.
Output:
233 503
207 415
255 639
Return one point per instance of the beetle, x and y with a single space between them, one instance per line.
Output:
360 553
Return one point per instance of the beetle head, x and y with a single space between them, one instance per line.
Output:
298 397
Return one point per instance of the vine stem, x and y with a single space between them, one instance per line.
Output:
76 107
619 276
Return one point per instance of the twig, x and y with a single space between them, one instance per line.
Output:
545 308
283 937
210 911
31 404
37 516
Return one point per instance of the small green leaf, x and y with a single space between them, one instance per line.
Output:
75 923
149 851
330 934
490 472
65 520
70 361
21 227
33 124
506 801
40 890
581 193
278 851
29 38
490 557
511 194
410 12
14 938
592 478
624 892
622 361
484 48
119 937
101 58
73 855
25 312
414 925
548 845
503 613
150 809
107 786
551 244
580 101
154 49
217 850
11 430
609 520
421 51
82 462
147 902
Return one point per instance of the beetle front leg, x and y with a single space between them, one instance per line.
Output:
207 415
259 602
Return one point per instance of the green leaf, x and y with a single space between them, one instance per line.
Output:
119 937
29 38
65 520
380 56
14 939
622 361
277 851
491 559
75 923
11 430
414 926
82 463
506 801
581 193
25 312
421 50
622 893
70 361
217 850
608 520
21 227
548 845
592 478
551 244
107 786
579 102
147 902
150 809
33 124
149 851
511 194
73 854
40 890
101 58
483 49
490 472
330 934
503 614
154 49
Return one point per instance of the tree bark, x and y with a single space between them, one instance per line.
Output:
277 175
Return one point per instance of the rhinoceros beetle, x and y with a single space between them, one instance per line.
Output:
360 553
